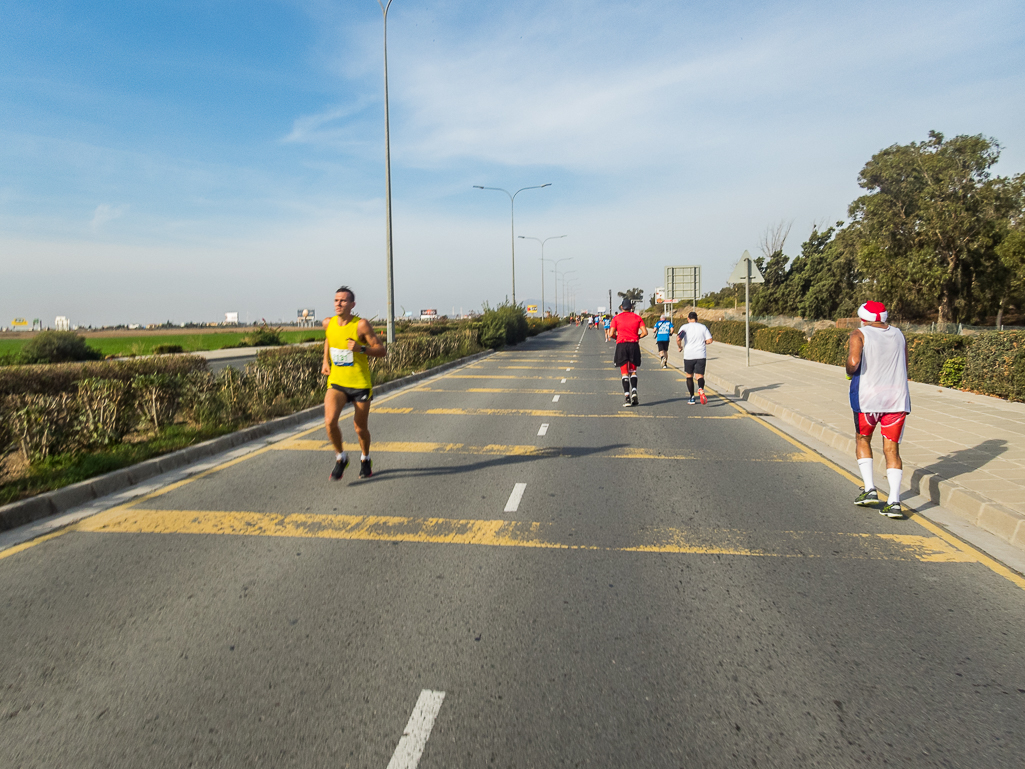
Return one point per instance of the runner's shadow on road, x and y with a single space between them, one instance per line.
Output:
681 399
957 463
560 452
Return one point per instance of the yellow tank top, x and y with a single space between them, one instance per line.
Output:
349 368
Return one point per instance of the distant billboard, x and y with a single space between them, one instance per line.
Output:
428 314
532 309
19 322
231 318
683 284
307 316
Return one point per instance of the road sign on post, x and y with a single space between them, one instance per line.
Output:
746 272
683 284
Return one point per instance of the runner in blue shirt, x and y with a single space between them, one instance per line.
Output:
663 332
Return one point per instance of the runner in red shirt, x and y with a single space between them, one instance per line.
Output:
627 328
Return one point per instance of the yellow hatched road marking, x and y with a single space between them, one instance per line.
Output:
425 447
501 533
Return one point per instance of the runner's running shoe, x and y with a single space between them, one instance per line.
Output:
366 468
702 397
339 469
692 400
665 363
628 403
892 510
633 397
867 498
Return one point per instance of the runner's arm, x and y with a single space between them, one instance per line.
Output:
642 331
373 346
325 367
854 349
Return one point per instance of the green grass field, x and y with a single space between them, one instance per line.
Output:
144 345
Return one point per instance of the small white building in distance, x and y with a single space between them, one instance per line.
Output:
62 324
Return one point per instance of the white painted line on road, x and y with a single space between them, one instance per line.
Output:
569 369
555 399
563 381
414 738
514 498
543 430
582 336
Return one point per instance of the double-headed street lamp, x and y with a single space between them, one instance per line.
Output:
512 219
563 274
542 242
556 271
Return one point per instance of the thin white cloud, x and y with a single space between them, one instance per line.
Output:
105 213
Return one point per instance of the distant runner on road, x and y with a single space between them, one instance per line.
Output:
663 330
607 324
692 340
628 329
877 365
349 339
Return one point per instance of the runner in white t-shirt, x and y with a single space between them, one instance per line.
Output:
692 339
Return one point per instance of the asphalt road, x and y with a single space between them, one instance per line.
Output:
534 577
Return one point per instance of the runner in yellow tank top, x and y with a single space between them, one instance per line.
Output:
348 341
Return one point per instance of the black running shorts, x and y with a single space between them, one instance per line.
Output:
628 352
662 346
355 394
694 366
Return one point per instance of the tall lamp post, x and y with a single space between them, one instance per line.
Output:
512 218
556 271
542 242
563 274
387 182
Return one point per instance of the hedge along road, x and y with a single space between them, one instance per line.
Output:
535 576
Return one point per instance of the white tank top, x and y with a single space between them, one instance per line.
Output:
881 384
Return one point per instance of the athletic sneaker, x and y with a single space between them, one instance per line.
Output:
366 467
665 363
867 498
339 469
892 510
702 397
692 400
628 403
633 397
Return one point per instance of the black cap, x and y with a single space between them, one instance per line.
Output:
627 305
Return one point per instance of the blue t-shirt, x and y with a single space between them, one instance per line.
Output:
663 330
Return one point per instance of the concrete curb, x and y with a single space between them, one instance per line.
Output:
53 502
975 508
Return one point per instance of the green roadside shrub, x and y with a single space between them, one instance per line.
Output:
6 433
779 339
829 345
157 397
167 349
263 336
952 374
43 425
732 331
64 377
58 347
503 325
927 354
106 411
995 364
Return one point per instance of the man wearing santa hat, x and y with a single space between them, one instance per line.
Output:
877 365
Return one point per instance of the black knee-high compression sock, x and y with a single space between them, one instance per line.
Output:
633 381
701 383
626 385
690 386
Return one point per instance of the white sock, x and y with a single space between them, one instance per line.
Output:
340 457
894 477
865 465
363 457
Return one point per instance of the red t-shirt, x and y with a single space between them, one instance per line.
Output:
627 326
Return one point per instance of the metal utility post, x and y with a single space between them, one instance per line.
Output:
387 182
542 242
512 218
746 271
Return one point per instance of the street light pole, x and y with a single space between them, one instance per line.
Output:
542 242
512 219
564 274
387 182
556 271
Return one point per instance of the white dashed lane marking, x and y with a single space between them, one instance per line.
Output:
514 499
555 399
543 430
414 738
563 381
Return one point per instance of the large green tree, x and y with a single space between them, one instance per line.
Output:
929 223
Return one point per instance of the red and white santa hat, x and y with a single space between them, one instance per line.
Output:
872 312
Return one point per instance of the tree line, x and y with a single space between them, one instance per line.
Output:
937 235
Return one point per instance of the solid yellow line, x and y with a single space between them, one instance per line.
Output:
496 533
31 543
525 413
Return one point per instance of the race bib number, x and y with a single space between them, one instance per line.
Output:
341 357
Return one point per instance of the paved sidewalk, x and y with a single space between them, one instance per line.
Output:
962 451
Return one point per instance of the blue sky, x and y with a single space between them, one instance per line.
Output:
176 160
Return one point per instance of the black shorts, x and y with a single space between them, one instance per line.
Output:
628 352
662 346
694 366
355 394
